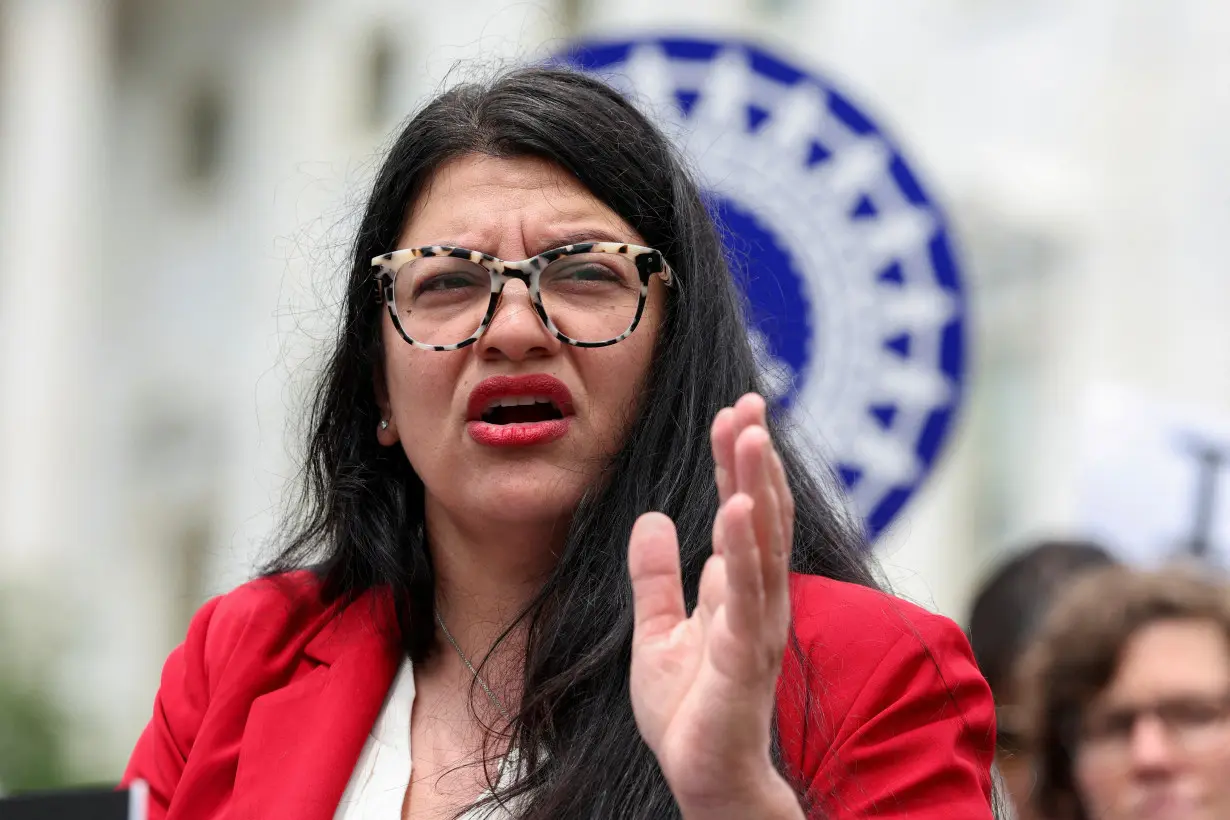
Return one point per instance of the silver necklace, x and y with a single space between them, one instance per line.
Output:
477 677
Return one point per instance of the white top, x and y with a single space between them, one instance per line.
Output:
378 784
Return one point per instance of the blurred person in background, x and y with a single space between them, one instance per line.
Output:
1007 610
1127 698
475 571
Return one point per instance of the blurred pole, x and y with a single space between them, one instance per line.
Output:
1211 459
53 76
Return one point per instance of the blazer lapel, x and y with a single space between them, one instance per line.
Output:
302 741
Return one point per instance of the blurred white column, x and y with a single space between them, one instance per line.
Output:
53 70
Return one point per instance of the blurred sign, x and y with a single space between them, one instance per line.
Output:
1154 480
80 804
856 297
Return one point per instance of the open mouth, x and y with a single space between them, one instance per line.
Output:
521 410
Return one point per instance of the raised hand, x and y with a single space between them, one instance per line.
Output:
703 685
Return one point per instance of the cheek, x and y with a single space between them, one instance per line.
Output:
615 376
1099 785
637 354
420 382
1213 768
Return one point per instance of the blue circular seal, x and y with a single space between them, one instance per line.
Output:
856 300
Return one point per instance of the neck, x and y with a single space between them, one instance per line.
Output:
486 573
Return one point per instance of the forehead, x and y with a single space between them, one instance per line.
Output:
1172 658
481 201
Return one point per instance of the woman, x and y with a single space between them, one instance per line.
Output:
1007 611
1130 710
493 614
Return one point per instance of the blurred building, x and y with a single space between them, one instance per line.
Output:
178 178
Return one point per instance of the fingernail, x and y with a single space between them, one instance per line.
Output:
653 521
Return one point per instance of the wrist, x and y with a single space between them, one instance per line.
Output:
765 797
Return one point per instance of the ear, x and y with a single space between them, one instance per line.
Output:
385 435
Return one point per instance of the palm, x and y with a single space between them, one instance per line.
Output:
703 685
698 684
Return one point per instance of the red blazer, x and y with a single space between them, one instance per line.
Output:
263 710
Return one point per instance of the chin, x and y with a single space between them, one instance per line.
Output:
528 495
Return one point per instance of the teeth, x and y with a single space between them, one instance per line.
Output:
518 401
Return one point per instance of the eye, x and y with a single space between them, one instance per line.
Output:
447 281
1191 713
591 273
434 279
590 270
1110 725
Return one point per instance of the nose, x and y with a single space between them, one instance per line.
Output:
1152 748
516 332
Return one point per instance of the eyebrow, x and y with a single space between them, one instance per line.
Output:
595 235
553 241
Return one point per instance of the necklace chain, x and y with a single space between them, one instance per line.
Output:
477 677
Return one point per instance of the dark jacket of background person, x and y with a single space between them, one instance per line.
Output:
1139 663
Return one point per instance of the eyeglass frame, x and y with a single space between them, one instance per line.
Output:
1105 745
649 263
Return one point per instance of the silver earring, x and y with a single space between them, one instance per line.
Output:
384 424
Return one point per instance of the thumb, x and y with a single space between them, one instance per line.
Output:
657 588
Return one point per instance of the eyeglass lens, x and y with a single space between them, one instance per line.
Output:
1186 720
590 297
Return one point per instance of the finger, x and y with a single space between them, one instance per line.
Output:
745 600
753 456
785 500
722 440
749 411
753 451
777 593
657 587
712 589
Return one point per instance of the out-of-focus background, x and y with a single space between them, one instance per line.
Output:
177 183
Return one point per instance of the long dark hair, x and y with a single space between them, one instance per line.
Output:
359 520
1012 602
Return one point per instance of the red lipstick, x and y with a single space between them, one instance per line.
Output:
511 391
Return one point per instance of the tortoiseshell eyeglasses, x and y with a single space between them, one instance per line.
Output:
589 294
